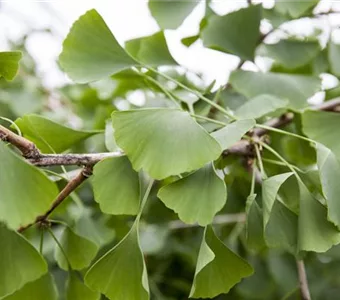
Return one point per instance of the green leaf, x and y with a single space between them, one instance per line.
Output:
295 9
280 223
43 288
94 230
233 132
254 224
77 290
116 186
121 273
270 189
171 14
79 250
19 261
9 64
259 106
49 136
188 41
291 54
329 170
91 52
20 205
218 269
163 142
323 127
110 142
151 50
334 58
236 33
316 233
296 88
196 197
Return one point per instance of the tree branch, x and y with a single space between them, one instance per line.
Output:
66 191
27 148
72 159
304 289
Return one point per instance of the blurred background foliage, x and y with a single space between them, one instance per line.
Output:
171 247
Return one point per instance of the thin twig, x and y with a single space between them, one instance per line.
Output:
66 191
304 289
72 159
27 148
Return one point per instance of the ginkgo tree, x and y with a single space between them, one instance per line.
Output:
200 191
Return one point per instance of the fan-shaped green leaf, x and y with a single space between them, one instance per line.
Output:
291 54
280 224
121 273
334 58
151 50
79 250
196 197
9 64
259 106
94 230
20 206
91 52
236 33
77 290
163 142
323 127
43 288
295 88
218 269
49 136
19 261
316 233
295 9
171 14
329 170
254 224
116 186
233 132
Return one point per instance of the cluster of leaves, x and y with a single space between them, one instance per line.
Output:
174 167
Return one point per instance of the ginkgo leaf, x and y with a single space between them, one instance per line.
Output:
254 224
121 273
20 262
295 9
78 250
116 186
151 50
270 189
279 223
322 126
295 88
236 33
218 269
291 54
233 132
91 52
333 56
196 197
329 170
163 142
20 206
259 106
42 288
94 230
316 233
9 64
50 136
77 290
170 14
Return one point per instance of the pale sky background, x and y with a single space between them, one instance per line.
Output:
127 19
